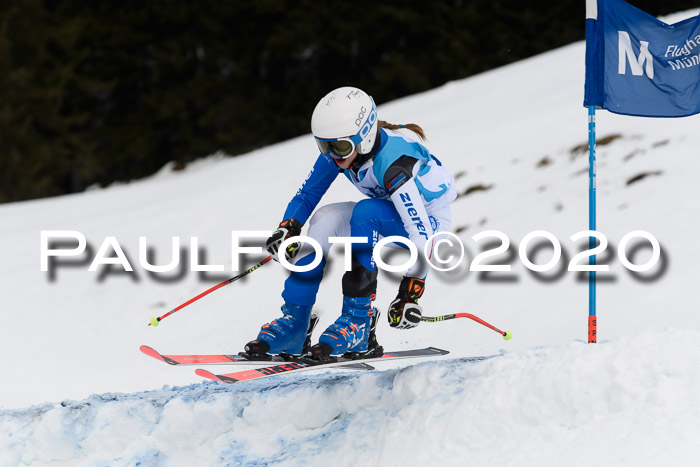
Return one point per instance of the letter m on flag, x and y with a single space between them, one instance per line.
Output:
626 55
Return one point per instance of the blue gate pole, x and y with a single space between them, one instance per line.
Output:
592 320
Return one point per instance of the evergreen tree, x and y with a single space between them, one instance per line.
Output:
93 92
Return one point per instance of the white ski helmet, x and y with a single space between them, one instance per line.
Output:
345 119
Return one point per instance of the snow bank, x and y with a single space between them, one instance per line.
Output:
631 401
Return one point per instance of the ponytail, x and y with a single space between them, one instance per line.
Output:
410 126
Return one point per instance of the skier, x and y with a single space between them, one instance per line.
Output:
409 194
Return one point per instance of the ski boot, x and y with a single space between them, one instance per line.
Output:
374 350
286 336
351 335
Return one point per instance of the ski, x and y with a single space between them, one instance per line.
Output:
222 359
199 359
297 366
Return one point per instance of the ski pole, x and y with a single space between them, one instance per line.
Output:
155 321
434 319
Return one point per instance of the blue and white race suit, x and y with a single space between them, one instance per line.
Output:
409 194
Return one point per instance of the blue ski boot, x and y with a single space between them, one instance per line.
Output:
290 334
373 348
351 334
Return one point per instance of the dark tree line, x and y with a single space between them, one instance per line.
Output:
96 91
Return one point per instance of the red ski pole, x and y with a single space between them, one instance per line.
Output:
155 321
434 319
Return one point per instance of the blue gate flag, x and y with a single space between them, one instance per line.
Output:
639 65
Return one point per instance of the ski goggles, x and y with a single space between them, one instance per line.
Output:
339 148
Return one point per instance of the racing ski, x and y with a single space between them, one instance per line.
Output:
305 365
199 359
222 359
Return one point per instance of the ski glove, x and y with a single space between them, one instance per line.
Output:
287 228
404 311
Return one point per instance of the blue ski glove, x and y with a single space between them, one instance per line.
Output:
404 311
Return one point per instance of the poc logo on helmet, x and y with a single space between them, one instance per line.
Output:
360 116
364 131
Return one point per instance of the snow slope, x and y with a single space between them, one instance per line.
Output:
633 401
511 137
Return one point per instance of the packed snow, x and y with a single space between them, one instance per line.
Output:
76 390
631 401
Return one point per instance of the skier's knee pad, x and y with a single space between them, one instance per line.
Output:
359 281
